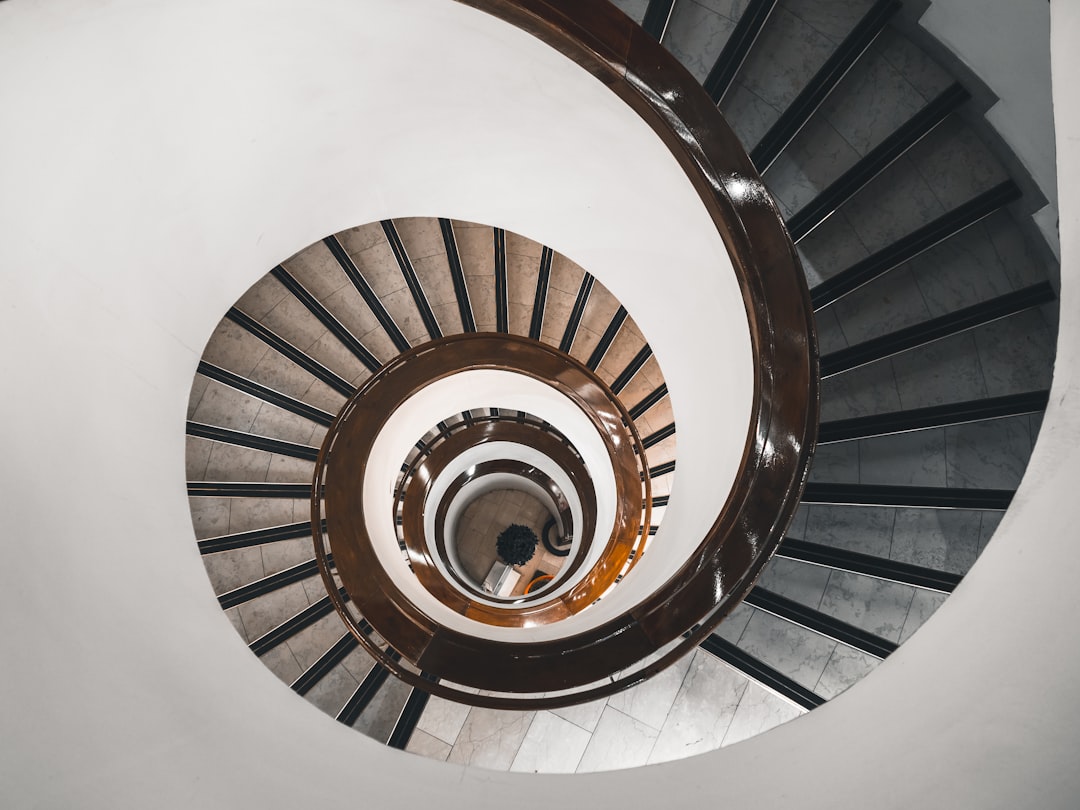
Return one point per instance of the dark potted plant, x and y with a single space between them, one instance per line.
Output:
516 544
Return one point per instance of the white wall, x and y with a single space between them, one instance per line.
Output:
157 158
1007 44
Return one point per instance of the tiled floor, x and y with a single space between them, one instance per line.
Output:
697 705
488 515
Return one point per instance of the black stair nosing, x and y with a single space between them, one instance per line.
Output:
874 162
800 110
632 368
655 438
248 489
818 622
385 319
606 339
737 48
658 501
657 17
662 469
256 537
267 585
651 399
907 248
761 673
326 318
995 500
409 717
364 693
935 329
543 281
576 314
325 664
252 441
457 275
293 625
502 302
286 349
868 565
427 315
262 392
935 416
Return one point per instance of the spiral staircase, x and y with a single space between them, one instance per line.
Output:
136 201
936 324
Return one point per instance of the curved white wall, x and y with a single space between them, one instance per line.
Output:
158 158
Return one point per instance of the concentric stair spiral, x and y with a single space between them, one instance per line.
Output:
932 311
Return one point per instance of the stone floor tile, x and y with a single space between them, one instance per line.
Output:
703 710
619 741
759 710
551 745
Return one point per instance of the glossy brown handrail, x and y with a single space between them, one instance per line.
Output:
341 464
781 433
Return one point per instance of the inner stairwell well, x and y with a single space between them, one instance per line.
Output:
935 321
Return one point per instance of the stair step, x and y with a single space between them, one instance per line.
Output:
794 118
922 497
286 349
876 161
868 565
762 673
937 328
818 622
957 413
252 441
412 280
737 48
918 241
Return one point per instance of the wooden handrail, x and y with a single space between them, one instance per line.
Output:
780 437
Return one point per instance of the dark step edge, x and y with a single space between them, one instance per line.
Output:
256 537
409 718
457 275
364 693
761 673
995 500
502 302
868 565
907 248
874 162
385 319
657 17
248 489
543 281
327 318
252 441
576 314
261 392
818 622
655 438
936 416
267 585
427 315
651 399
325 664
830 74
936 329
737 48
290 627
286 349
606 339
632 368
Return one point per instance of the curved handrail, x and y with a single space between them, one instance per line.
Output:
782 430
375 596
